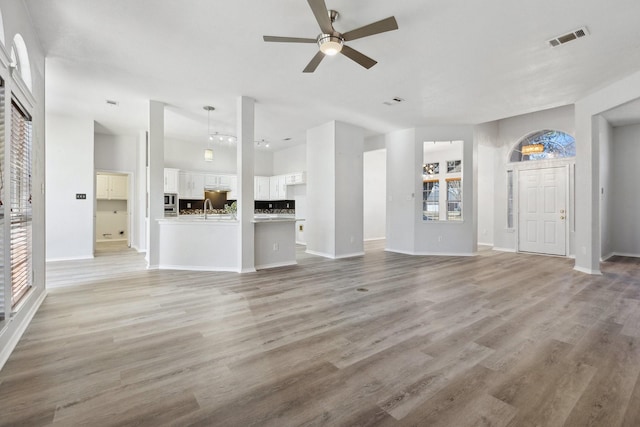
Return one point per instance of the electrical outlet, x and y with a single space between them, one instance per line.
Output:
439 238
276 247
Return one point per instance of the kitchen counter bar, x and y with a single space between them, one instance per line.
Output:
199 244
190 242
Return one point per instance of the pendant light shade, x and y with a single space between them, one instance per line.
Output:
208 152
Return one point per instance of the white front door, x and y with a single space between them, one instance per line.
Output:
542 210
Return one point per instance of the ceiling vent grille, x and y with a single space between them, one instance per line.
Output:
566 38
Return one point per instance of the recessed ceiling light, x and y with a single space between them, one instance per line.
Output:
112 102
287 139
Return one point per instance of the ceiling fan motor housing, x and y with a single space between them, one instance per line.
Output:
330 44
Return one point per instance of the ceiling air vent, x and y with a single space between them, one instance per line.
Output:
395 100
565 38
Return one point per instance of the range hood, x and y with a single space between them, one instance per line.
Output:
217 189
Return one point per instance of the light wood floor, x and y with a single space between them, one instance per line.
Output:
385 339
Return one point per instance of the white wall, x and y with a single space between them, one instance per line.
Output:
115 153
321 202
189 156
607 207
349 141
407 232
402 177
70 170
487 159
625 191
375 194
293 159
447 237
111 220
587 167
334 184
509 132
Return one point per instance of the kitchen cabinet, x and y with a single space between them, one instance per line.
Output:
111 187
217 181
278 187
191 186
296 178
261 188
171 180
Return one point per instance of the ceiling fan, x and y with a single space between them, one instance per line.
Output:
331 42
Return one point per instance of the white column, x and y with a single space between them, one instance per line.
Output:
245 159
156 181
334 226
141 193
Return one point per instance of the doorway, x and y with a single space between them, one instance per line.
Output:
542 210
112 212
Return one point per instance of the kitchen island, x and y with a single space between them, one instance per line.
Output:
191 242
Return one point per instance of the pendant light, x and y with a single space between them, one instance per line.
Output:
208 152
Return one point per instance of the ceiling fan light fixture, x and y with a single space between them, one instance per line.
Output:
330 44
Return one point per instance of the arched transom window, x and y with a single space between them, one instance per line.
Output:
543 145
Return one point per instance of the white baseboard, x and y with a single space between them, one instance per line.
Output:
398 251
588 271
373 239
464 254
19 330
351 255
330 256
193 268
275 265
606 257
110 240
77 258
485 244
301 243
499 249
627 254
420 253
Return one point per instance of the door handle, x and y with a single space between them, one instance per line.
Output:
562 217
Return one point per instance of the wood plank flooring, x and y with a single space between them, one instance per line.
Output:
494 340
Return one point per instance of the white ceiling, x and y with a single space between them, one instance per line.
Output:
452 61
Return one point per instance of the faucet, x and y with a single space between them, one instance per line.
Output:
205 207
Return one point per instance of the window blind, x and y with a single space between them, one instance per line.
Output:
2 198
20 199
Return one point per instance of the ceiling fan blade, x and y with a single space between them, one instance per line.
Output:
288 39
358 57
321 13
384 25
311 67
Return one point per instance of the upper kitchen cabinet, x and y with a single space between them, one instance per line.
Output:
191 185
217 181
111 187
296 178
278 187
261 188
171 180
